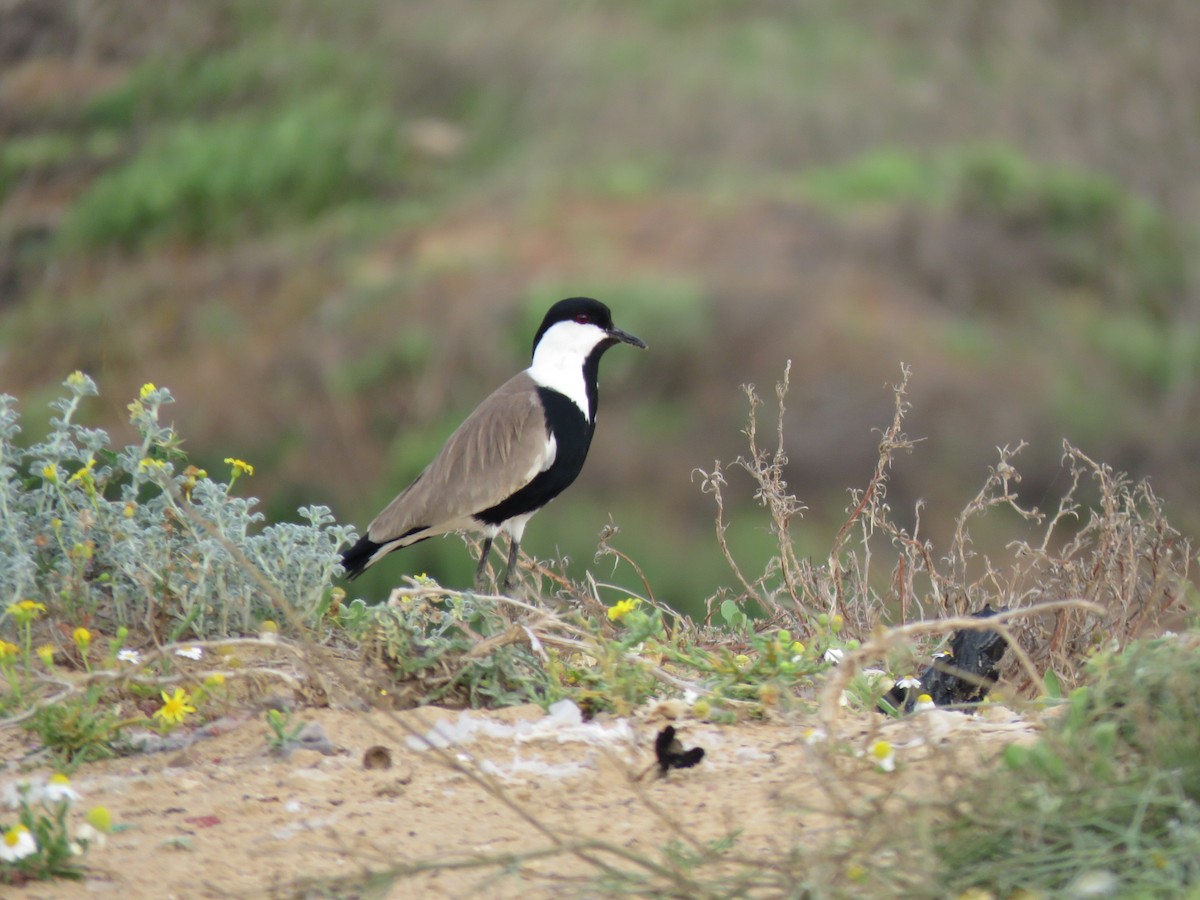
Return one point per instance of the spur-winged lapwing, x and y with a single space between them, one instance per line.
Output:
518 451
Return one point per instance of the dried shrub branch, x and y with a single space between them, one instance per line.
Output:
1112 563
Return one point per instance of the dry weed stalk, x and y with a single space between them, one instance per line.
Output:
1125 559
766 468
1125 564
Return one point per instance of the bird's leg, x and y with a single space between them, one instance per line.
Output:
481 569
514 547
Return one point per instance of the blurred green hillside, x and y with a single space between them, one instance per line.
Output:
330 228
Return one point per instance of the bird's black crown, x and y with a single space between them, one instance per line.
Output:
584 310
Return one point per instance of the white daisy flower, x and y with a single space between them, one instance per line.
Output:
924 702
908 682
190 652
129 656
813 736
17 843
884 756
58 789
834 655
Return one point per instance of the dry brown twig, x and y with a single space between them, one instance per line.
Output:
605 548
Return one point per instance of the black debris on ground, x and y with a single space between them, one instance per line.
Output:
670 753
962 675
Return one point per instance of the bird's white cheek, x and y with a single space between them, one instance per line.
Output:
558 361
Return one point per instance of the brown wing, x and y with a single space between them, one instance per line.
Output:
499 449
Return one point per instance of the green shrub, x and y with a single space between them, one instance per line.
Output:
256 72
1095 233
430 642
20 155
202 181
1100 233
1112 792
137 537
884 176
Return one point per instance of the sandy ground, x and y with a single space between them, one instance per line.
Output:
226 817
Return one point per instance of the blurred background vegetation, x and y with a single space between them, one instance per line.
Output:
331 228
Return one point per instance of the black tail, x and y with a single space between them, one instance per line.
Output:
357 558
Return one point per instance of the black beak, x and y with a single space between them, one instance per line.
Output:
625 337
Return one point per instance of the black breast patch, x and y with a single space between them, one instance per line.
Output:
572 436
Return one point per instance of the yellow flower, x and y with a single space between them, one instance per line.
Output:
130 509
147 389
214 680
84 474
26 610
240 467
76 379
8 651
46 654
148 463
50 472
175 707
82 638
622 609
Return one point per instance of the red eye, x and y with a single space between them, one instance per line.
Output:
583 319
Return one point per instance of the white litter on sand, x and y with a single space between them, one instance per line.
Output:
520 767
563 723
